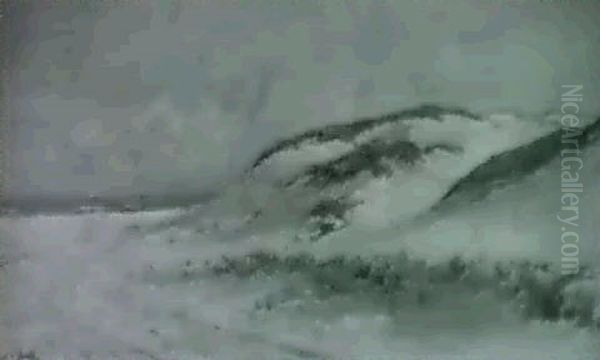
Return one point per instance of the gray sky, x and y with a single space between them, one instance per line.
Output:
178 96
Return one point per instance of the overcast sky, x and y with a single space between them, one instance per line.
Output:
149 97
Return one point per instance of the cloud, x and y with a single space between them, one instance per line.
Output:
140 98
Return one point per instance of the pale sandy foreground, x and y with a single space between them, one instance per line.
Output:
115 286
